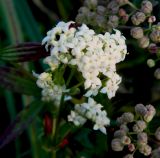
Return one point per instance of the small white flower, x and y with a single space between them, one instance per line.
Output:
92 54
91 111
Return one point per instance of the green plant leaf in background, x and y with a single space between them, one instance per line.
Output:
28 51
23 119
18 80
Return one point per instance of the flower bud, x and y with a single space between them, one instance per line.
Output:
84 10
120 120
140 109
125 140
151 111
146 7
121 12
157 133
138 18
113 21
128 117
150 63
157 74
131 147
48 124
143 42
124 127
101 10
152 48
156 153
139 126
128 156
122 2
119 133
125 18
90 3
155 36
145 150
117 145
101 21
113 7
151 19
137 32
142 138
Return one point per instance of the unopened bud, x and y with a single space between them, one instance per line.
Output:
145 150
90 3
121 12
113 7
120 120
146 7
157 133
84 10
142 138
119 133
143 42
101 10
128 117
155 36
101 21
113 21
152 48
140 109
151 19
157 74
139 126
156 153
131 147
150 63
125 18
138 18
151 111
137 32
128 156
117 145
122 2
125 140
124 128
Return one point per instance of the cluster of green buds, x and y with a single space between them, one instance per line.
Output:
103 15
134 133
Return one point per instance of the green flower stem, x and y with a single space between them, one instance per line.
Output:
54 128
53 154
78 85
132 5
70 76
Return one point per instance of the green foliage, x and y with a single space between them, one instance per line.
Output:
18 80
25 117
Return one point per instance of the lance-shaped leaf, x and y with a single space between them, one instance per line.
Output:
29 51
18 80
22 121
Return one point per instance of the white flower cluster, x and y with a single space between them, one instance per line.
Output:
50 91
91 111
95 55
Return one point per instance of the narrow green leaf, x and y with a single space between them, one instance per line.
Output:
19 81
29 51
27 20
22 121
